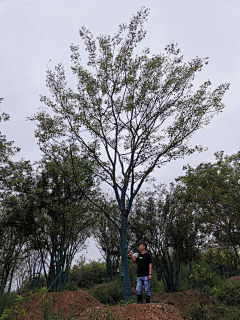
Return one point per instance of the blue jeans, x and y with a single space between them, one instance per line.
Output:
140 282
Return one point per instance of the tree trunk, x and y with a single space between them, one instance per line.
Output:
127 292
10 281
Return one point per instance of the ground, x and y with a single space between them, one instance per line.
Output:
71 305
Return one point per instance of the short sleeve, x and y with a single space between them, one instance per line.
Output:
149 259
137 260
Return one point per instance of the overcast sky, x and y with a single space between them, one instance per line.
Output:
34 31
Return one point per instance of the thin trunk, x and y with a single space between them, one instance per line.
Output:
11 278
127 292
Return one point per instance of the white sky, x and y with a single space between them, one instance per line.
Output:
33 32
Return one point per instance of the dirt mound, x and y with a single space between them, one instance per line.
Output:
80 305
150 311
60 305
182 300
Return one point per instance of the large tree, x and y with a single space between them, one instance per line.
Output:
139 111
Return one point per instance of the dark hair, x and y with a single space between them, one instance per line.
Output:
145 245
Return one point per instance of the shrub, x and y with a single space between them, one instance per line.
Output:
229 293
108 293
196 312
86 275
7 300
183 277
71 287
201 277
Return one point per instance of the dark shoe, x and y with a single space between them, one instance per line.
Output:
139 298
147 299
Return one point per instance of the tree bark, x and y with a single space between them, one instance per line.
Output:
127 292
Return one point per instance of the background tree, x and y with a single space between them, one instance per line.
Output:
223 260
62 220
171 239
139 110
7 149
105 235
12 254
47 214
12 250
212 193
17 209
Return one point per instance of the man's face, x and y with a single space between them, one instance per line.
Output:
141 247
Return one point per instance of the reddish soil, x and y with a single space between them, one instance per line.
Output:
236 278
151 311
61 305
81 305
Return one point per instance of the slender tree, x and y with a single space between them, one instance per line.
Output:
12 249
63 220
104 233
139 110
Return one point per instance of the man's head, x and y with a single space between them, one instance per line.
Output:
143 246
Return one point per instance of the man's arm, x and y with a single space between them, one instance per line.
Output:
150 271
134 259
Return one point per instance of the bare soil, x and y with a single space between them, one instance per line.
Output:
81 305
235 278
60 305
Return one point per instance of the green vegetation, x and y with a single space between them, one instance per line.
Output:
7 301
86 275
200 276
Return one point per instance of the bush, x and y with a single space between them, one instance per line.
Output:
70 287
87 275
196 312
183 278
108 293
223 260
7 300
229 293
201 277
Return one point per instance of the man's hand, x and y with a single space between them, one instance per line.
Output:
129 252
150 271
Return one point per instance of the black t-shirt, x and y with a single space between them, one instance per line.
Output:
143 261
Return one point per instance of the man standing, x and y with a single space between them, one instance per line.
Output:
144 273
